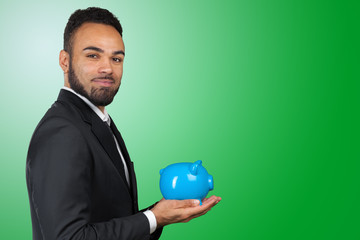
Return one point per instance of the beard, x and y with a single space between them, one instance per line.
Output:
102 96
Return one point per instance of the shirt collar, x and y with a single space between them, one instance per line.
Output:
103 116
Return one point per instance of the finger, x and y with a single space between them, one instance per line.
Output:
196 215
187 203
202 213
207 199
199 209
209 202
205 207
215 197
212 198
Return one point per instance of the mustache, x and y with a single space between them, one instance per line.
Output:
103 78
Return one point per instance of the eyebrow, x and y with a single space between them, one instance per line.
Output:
101 51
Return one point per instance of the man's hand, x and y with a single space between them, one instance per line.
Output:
175 211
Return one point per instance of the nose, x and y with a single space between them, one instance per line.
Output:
105 66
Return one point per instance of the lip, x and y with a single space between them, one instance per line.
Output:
104 82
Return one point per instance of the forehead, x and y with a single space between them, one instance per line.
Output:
98 35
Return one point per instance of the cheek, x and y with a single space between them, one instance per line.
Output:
87 71
118 72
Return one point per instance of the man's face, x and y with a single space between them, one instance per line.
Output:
96 62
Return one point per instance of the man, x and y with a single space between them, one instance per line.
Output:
80 178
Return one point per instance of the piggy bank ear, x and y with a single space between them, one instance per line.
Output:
161 171
194 167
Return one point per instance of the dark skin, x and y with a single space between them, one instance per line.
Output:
98 51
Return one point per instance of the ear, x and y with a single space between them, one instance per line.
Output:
64 60
195 167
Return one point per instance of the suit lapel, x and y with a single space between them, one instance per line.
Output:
129 163
100 129
106 139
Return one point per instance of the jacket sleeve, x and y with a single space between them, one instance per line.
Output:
59 175
155 235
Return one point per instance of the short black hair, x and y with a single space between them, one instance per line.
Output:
89 15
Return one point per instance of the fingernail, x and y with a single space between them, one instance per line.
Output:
196 202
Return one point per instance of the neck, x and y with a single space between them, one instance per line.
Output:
102 108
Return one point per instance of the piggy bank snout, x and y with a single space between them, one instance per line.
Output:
211 182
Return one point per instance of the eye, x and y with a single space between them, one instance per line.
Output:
118 60
92 56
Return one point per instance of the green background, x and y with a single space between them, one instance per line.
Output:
266 93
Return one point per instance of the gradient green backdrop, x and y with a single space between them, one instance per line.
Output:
266 93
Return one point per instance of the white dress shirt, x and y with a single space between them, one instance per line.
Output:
105 118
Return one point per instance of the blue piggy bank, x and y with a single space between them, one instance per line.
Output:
185 181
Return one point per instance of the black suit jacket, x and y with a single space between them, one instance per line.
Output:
75 178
